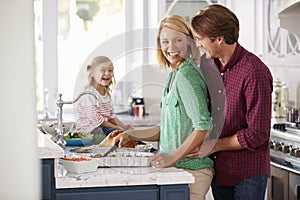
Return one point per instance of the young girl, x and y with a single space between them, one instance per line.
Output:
99 117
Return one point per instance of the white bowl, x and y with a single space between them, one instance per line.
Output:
80 166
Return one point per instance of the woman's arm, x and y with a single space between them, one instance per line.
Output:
150 134
117 122
194 140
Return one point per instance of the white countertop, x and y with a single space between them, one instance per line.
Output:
126 176
285 135
104 177
151 119
47 148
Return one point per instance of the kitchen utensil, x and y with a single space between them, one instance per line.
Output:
81 150
133 102
139 111
111 149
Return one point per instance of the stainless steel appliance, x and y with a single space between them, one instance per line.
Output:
133 102
284 183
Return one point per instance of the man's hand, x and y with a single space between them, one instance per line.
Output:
206 149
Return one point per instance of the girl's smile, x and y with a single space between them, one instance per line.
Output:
103 74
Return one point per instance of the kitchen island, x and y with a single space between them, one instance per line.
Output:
132 183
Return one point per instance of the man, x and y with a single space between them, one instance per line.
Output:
241 153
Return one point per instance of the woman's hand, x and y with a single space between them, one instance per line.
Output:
161 161
125 140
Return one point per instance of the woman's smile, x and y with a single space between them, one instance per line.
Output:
174 53
174 46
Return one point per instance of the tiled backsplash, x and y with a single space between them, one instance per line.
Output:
291 76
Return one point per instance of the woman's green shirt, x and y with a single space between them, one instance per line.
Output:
184 108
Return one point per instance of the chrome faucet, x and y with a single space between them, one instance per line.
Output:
60 130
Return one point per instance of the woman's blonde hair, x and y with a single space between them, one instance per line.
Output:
177 23
96 62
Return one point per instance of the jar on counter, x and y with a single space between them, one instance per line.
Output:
280 99
292 115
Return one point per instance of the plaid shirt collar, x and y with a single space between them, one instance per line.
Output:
233 60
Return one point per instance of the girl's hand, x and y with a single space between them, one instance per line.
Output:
160 161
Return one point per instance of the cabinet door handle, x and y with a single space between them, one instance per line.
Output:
297 188
272 187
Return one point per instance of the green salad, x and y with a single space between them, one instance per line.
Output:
75 136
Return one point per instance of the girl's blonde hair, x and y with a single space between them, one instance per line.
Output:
96 62
177 23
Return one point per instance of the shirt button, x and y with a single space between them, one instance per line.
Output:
219 91
222 74
218 108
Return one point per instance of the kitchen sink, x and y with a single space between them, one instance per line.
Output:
49 126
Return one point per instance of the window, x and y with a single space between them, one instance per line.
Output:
81 26
68 32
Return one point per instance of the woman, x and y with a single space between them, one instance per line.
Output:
185 119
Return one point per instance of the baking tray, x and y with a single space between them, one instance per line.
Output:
125 159
95 149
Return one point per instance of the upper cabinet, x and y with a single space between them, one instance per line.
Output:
289 14
282 33
186 8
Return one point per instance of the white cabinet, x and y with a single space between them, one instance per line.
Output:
283 44
289 15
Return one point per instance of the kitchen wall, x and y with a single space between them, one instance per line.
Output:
259 34
254 18
20 168
154 78
290 75
283 54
